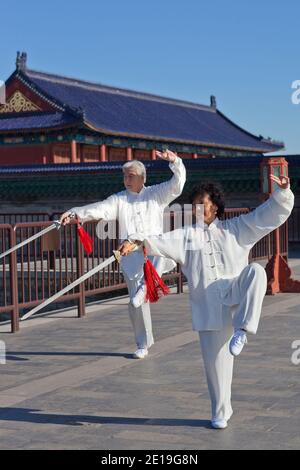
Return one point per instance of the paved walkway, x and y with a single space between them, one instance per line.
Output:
71 383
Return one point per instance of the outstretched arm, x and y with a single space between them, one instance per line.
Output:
250 228
166 192
168 245
107 210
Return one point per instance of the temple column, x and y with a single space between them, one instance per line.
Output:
129 153
103 153
73 152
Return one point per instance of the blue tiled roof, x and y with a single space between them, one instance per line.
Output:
134 114
35 121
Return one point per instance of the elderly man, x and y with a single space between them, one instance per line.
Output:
226 293
140 209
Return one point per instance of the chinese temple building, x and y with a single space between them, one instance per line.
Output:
53 119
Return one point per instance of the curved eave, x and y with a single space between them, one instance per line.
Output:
183 142
41 129
276 146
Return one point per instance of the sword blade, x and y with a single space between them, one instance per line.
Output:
30 239
72 285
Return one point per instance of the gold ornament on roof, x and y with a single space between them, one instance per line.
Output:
18 103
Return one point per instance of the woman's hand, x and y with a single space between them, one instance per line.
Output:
282 181
126 247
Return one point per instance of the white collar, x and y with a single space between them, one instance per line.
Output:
132 193
213 224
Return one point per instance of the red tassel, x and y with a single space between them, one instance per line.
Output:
85 239
155 286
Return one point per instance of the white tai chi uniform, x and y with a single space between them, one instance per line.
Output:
139 212
225 292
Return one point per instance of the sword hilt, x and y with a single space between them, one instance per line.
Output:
117 255
57 224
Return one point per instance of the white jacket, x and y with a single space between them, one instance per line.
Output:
138 212
212 255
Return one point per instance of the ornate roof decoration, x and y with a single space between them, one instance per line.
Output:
18 103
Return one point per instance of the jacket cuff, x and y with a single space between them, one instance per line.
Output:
75 210
78 213
135 237
282 195
176 162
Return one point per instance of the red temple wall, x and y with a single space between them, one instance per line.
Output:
116 154
25 155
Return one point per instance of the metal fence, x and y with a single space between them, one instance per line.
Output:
21 217
43 267
48 264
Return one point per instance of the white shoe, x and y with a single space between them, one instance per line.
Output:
237 342
219 423
139 297
140 353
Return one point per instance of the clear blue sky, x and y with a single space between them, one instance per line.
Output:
247 53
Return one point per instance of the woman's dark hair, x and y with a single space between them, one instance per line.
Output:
215 192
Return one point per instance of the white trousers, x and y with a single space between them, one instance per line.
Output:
141 317
246 293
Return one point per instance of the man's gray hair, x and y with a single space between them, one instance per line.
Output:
138 166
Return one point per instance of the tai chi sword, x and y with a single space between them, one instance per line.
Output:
56 225
116 256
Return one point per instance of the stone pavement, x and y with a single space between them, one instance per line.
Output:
71 383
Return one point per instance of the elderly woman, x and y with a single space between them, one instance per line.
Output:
140 209
226 293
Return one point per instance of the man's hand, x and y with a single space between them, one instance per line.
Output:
166 155
126 247
282 181
67 217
